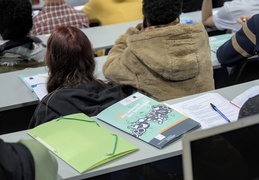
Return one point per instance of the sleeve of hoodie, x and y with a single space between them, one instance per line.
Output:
117 65
45 164
242 44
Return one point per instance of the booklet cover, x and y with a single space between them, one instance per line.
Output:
148 120
81 142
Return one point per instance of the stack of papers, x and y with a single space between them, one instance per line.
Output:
199 108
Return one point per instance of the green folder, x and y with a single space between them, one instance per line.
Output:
80 141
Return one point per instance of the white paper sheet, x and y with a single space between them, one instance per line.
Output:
242 98
200 110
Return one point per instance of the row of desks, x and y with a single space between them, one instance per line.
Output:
102 37
146 152
15 93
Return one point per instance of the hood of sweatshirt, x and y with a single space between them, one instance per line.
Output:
178 55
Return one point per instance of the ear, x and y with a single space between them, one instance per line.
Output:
146 22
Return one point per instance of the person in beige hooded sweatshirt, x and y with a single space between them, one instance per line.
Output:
160 57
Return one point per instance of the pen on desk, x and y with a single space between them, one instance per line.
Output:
220 113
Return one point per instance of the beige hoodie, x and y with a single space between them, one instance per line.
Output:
165 62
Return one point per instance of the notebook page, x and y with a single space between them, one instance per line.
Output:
243 97
199 109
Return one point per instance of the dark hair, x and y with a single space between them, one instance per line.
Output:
69 57
159 12
15 18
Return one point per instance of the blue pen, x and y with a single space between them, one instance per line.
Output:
220 113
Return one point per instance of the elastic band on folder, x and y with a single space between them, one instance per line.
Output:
77 120
115 145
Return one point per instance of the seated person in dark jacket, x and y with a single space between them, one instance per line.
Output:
72 87
26 160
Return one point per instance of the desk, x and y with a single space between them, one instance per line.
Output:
102 37
38 6
145 154
15 94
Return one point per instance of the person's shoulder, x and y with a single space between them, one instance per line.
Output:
250 107
194 28
255 17
252 24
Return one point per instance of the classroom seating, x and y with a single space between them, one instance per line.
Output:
244 71
20 113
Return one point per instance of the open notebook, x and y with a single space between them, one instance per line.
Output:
228 151
200 110
36 83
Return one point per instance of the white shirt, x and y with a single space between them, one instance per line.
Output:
226 17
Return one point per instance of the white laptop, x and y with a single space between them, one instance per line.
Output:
229 151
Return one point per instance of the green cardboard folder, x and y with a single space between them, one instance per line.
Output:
80 141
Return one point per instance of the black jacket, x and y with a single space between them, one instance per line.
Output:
250 107
90 98
16 162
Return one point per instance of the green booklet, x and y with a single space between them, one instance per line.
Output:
217 41
148 120
80 141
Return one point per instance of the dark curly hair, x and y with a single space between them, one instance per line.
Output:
159 12
15 18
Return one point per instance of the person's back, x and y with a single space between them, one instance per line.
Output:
226 17
26 160
105 12
72 87
163 59
18 50
56 13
